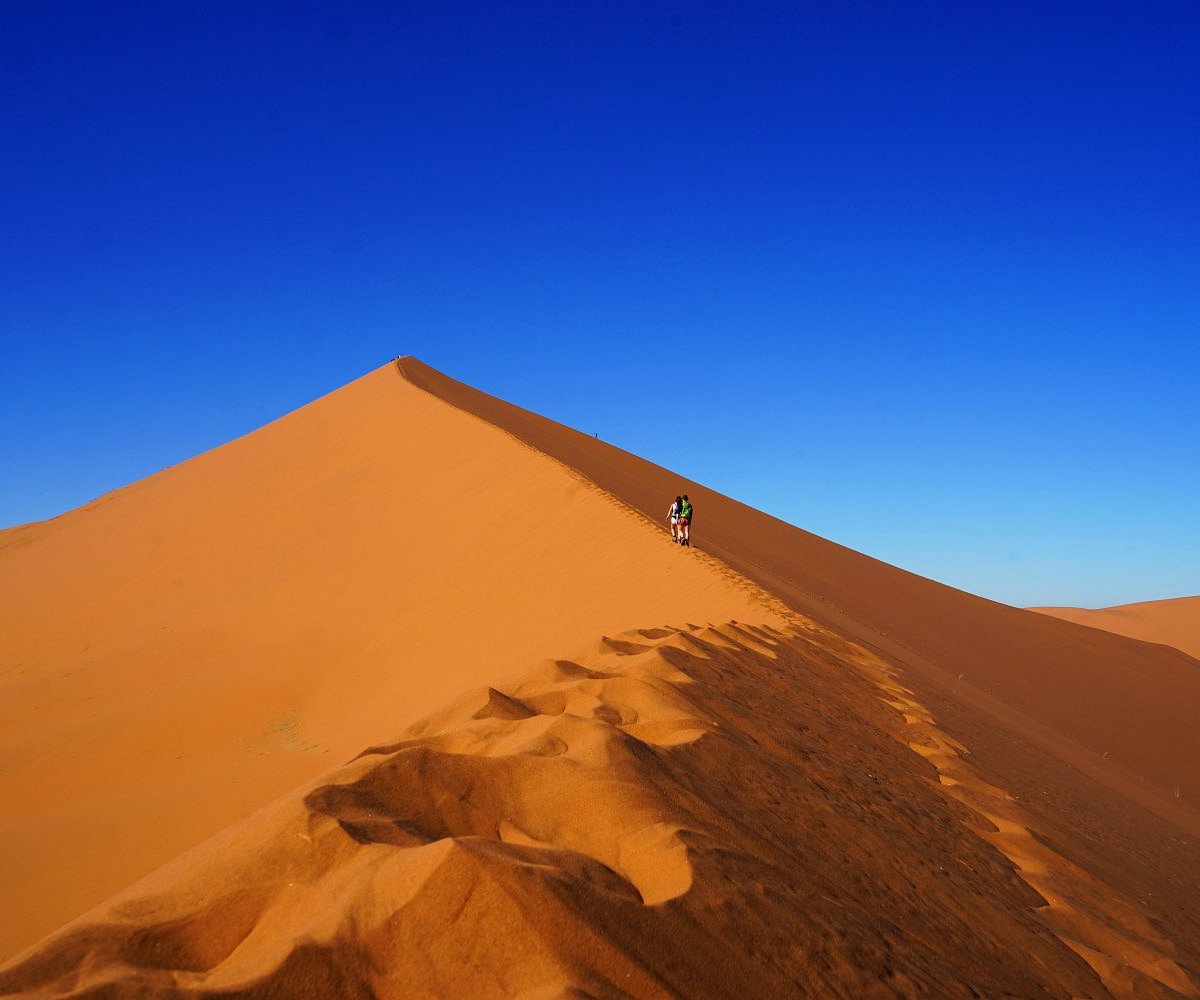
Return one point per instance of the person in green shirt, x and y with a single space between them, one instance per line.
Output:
685 521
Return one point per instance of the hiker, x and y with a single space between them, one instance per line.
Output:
673 518
685 521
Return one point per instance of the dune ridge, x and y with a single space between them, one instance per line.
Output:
1172 622
1035 671
1105 927
1094 733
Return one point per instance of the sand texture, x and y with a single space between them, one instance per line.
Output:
1174 622
407 694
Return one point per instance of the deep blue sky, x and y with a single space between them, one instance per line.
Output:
923 278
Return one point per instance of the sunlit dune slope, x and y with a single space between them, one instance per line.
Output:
1174 622
1085 697
180 652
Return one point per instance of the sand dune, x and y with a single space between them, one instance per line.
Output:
770 766
1174 622
182 651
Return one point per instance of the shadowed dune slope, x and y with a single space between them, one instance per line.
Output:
1174 622
1084 696
180 652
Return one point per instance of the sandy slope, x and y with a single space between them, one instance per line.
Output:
1095 734
182 651
878 787
1174 622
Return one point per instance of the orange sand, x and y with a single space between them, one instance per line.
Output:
1174 622
1083 697
182 651
851 781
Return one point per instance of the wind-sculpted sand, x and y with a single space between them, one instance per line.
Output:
823 777
721 811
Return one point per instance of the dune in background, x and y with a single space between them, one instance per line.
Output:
468 724
1173 622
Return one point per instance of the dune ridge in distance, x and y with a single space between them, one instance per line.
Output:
1172 622
771 767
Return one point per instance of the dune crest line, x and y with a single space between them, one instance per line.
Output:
1109 930
1094 732
1034 671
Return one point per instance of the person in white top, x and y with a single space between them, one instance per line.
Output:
673 517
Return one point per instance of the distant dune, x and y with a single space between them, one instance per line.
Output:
408 694
1174 622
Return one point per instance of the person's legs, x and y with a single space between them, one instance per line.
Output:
674 529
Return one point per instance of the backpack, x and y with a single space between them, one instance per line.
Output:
685 509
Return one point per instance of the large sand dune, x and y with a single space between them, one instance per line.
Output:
182 651
1174 622
533 749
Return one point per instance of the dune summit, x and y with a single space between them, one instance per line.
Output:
407 694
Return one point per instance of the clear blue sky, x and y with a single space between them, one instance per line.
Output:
923 278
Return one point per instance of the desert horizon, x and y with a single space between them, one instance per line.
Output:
1170 621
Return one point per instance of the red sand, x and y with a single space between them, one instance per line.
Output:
876 785
1174 622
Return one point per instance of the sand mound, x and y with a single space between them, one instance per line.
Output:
1174 622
